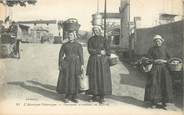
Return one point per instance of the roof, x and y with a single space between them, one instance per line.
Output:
168 15
38 22
111 15
23 26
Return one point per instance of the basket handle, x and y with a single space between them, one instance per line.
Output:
178 59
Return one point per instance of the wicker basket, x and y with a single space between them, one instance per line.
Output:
71 25
175 66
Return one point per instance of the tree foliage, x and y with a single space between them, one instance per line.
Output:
12 3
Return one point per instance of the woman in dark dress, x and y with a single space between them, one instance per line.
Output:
98 68
13 29
70 66
159 85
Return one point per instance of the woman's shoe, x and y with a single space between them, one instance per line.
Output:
74 100
101 101
161 107
93 99
66 100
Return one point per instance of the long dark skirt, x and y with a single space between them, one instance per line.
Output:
159 85
68 82
98 70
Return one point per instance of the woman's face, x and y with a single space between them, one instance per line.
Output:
71 37
158 42
97 31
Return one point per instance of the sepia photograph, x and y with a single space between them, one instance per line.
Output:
85 57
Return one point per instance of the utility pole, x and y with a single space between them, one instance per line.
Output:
129 39
97 6
183 9
183 50
105 15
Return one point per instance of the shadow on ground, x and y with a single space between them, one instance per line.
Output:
49 91
47 86
45 90
134 78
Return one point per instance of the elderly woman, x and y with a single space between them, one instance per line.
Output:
70 66
98 68
159 85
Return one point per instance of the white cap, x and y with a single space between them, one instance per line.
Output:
99 27
158 37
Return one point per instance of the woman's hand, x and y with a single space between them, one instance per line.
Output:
82 68
103 52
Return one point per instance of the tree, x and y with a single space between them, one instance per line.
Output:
11 3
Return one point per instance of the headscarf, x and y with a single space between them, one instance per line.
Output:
98 27
158 37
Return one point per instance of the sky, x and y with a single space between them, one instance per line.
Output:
149 10
83 9
64 9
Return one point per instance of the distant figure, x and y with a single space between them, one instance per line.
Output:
13 29
71 67
2 28
159 85
98 68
